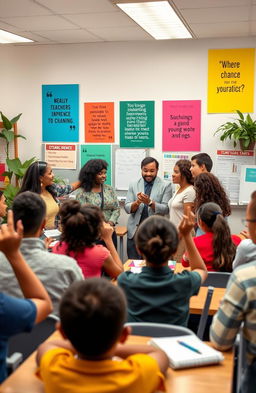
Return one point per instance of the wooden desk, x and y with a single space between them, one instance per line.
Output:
121 231
215 378
197 302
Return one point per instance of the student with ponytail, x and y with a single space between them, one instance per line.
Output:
157 294
217 246
81 226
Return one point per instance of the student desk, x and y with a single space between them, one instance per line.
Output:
121 231
197 302
216 378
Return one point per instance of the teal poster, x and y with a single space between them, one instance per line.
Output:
250 175
103 152
60 109
137 124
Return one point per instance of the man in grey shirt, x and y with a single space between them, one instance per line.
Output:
56 272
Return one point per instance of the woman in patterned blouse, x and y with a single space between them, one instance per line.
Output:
93 191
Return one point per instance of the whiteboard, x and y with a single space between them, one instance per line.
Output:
247 183
127 166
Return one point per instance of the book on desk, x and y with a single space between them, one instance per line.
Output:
187 351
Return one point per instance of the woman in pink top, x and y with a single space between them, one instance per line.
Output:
217 246
81 226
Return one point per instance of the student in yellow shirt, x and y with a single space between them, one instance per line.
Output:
92 317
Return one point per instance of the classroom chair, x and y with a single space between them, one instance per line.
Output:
238 362
217 279
158 329
204 315
22 345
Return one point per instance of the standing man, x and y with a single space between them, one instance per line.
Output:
200 163
147 196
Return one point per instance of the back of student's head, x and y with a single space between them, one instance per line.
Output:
203 159
157 239
224 249
30 208
80 224
92 315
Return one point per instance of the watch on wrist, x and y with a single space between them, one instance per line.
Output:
150 202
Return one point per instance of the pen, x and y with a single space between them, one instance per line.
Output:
189 347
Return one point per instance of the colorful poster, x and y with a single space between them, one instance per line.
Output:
103 152
228 170
181 125
61 156
169 161
99 122
60 113
230 80
137 124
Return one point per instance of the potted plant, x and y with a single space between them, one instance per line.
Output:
14 165
243 129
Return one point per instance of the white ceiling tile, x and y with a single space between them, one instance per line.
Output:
122 34
107 19
78 6
50 22
180 4
205 15
69 36
211 30
10 8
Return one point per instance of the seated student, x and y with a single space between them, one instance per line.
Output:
157 294
92 316
81 226
217 246
200 163
238 307
245 252
56 272
19 315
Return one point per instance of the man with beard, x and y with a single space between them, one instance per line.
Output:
147 196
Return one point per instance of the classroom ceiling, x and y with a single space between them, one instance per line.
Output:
83 21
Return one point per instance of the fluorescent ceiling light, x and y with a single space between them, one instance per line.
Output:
158 18
10 38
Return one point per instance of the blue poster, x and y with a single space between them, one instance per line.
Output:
60 108
250 175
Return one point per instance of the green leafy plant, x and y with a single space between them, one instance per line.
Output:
242 129
14 166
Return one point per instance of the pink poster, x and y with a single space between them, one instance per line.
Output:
181 125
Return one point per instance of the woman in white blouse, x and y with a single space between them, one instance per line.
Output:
183 198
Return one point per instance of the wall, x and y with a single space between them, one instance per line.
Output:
163 70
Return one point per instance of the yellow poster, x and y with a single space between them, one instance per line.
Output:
230 80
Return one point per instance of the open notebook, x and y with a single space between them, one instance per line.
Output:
136 265
187 351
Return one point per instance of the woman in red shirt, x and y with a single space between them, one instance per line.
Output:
217 246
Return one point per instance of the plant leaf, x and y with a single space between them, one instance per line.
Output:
7 123
15 119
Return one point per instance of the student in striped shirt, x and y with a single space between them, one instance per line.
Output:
239 306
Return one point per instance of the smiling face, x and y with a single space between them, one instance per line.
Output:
149 172
3 206
47 178
100 178
176 175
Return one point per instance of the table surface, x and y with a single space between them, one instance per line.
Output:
216 378
197 302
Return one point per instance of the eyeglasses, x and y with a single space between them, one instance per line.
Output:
246 220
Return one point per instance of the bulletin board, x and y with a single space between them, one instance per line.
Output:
247 183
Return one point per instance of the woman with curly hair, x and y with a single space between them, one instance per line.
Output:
209 189
182 199
81 227
93 191
39 178
217 246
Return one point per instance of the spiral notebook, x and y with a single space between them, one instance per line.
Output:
187 351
